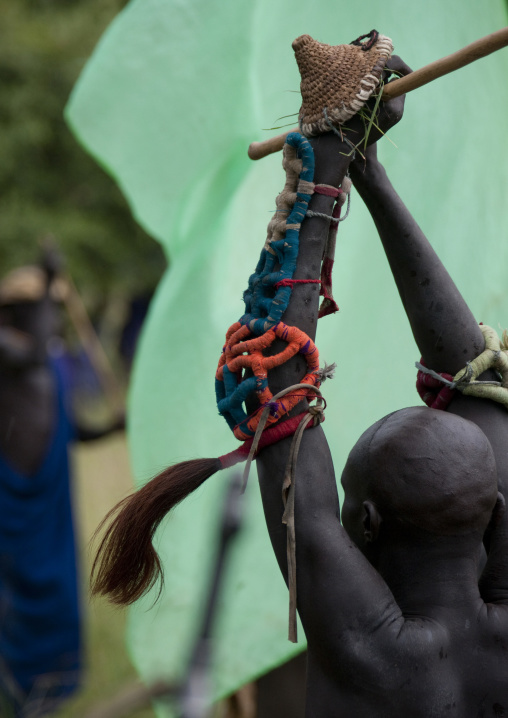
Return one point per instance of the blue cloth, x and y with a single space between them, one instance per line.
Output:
39 605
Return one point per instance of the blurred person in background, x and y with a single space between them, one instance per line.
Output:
40 642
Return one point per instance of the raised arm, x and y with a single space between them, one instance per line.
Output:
335 583
444 329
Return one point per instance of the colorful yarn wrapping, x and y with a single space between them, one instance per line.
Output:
494 356
433 392
243 367
329 305
264 308
242 352
268 437
266 299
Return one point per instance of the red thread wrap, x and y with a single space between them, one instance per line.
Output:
432 391
269 436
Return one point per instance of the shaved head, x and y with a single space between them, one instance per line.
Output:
423 467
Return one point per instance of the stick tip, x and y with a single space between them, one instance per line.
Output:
255 151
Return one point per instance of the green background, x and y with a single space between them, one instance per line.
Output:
168 104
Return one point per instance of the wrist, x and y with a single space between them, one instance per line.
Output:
366 173
332 159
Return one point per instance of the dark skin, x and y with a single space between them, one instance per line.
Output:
396 620
27 389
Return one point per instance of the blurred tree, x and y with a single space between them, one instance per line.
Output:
48 184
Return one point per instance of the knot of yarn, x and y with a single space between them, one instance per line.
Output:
317 412
326 372
273 406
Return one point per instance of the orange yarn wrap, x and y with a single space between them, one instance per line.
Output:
241 353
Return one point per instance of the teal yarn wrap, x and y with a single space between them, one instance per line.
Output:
264 302
263 308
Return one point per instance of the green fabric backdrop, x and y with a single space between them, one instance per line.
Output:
168 103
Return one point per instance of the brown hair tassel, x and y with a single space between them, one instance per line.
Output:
126 565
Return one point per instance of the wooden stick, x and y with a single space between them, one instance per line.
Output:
480 48
131 698
93 347
258 150
85 330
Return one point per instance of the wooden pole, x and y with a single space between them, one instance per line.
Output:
131 698
70 297
258 150
92 346
476 50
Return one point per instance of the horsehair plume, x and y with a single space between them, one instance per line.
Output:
126 564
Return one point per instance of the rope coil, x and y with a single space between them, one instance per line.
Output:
494 356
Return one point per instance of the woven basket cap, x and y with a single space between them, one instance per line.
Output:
28 284
338 78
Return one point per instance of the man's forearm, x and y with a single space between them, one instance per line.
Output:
332 162
302 311
323 548
444 328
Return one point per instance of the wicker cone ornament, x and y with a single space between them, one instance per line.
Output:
337 80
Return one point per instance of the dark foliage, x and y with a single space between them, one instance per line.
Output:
48 184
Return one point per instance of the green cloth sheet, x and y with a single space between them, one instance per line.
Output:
168 103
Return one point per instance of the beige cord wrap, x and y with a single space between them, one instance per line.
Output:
285 200
494 356
315 414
